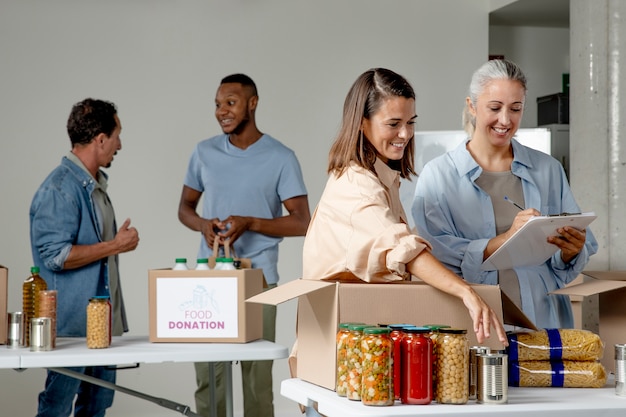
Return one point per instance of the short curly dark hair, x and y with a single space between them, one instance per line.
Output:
89 118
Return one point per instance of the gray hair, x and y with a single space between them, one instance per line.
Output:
495 69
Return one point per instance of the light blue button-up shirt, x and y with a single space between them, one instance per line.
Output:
456 216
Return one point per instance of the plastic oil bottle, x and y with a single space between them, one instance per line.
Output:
30 298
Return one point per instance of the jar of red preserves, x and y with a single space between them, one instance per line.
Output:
416 381
396 335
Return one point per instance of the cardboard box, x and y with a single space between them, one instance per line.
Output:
610 286
4 280
322 305
204 306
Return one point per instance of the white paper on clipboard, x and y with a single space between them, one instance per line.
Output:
529 246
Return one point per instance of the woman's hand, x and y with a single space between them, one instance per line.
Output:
483 317
570 240
430 270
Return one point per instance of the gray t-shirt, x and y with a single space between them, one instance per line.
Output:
498 185
106 223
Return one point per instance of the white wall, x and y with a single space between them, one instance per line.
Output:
160 61
541 52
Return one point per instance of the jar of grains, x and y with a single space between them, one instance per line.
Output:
98 323
452 366
353 359
377 366
434 335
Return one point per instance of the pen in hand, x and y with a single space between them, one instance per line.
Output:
513 202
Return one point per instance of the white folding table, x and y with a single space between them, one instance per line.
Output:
549 402
124 350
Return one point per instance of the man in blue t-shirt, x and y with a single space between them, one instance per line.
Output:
244 177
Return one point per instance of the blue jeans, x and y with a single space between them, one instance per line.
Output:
57 398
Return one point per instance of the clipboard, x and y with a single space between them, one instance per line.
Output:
529 246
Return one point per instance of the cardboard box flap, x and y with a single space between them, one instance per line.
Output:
596 286
606 275
289 291
512 315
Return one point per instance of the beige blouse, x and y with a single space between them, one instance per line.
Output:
359 229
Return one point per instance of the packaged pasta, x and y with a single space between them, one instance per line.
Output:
568 374
555 344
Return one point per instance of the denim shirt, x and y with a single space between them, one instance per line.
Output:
63 214
456 216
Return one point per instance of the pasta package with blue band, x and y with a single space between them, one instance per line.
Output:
566 374
555 345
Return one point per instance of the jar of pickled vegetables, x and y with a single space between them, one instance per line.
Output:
452 366
353 359
343 334
396 335
377 366
416 380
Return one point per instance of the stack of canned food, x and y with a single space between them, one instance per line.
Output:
381 364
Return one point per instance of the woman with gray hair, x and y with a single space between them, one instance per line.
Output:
461 206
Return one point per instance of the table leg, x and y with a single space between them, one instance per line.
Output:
228 376
212 383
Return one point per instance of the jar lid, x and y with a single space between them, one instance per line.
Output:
436 326
346 325
416 329
451 330
358 326
399 326
376 330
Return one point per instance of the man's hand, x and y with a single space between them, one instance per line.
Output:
127 238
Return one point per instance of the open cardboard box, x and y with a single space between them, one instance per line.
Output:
204 306
610 286
322 305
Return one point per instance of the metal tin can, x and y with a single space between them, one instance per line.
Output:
620 370
16 330
40 334
492 378
474 353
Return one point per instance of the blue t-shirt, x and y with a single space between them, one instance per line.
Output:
246 182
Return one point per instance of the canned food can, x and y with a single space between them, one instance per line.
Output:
620 370
40 334
492 379
474 353
16 330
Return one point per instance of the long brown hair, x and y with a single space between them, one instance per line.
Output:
363 100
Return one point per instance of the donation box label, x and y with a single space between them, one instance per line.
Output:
197 307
